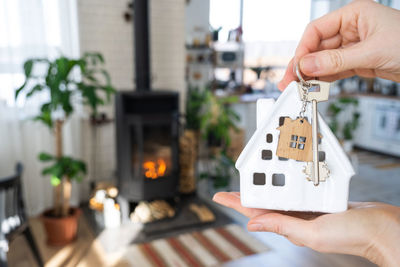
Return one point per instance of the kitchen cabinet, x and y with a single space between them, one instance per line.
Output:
379 127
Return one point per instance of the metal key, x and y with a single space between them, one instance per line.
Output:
318 92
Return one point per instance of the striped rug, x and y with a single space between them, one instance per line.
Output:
210 247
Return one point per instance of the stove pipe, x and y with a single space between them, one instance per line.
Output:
142 48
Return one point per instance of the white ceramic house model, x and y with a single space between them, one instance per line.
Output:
281 184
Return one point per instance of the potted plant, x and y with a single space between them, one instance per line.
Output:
217 121
348 123
66 81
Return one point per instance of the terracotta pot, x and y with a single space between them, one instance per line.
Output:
61 231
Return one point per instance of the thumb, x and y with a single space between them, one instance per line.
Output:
333 61
299 231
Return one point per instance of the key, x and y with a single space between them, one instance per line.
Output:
318 92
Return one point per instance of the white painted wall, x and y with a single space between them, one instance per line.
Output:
168 45
102 28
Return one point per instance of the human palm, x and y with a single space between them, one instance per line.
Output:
366 229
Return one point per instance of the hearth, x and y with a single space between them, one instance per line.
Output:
147 144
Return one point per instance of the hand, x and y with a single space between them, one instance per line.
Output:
362 38
370 230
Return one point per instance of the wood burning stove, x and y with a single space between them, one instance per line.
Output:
147 144
147 127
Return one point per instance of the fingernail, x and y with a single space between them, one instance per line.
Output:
254 227
309 64
215 197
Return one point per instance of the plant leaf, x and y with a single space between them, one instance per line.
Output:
45 157
45 117
35 89
19 90
55 181
28 66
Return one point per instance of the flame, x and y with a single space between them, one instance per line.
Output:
153 170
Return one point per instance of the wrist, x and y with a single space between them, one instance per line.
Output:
384 249
386 256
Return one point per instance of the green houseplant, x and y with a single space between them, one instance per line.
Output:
66 81
344 126
217 121
195 101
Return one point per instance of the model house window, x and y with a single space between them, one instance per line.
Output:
269 138
297 141
281 120
278 179
266 154
259 178
321 156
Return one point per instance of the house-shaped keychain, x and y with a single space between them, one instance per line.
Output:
282 182
295 139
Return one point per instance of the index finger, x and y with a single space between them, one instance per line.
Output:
318 30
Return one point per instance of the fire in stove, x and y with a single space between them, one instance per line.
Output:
148 145
154 170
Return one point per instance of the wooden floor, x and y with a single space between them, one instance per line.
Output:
87 251
70 255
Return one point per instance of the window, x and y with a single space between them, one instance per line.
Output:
265 44
259 178
225 14
278 179
31 29
266 154
282 120
257 15
321 156
283 159
269 138
297 141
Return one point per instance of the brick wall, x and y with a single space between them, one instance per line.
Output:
102 28
167 44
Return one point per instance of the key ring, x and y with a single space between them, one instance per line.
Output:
303 82
305 86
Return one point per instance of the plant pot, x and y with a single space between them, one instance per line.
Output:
61 231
